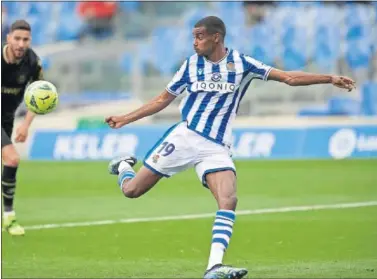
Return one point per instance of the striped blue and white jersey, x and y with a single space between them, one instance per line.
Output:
214 92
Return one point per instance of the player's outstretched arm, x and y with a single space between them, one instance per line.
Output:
23 129
155 105
302 79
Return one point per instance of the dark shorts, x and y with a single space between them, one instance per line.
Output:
6 134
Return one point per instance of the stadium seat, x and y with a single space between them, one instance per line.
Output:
40 8
261 43
69 28
325 57
358 54
327 47
23 9
37 27
67 8
132 6
369 99
126 62
297 39
162 59
191 17
344 106
314 111
357 31
356 14
293 59
11 7
263 54
229 6
46 63
260 32
328 34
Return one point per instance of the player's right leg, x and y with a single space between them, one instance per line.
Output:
11 160
133 185
170 155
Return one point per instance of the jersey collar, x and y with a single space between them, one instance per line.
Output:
217 62
5 56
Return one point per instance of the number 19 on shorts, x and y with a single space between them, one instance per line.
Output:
166 149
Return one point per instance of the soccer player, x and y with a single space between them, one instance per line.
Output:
216 79
20 65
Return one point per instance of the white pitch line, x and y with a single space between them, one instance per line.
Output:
204 215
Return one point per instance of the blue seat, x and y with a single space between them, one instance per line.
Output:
340 105
228 5
358 55
193 16
46 63
293 59
19 9
297 39
260 32
131 6
369 99
162 59
69 28
126 62
261 44
67 7
357 14
325 57
263 54
38 29
314 111
42 9
358 31
328 34
326 47
11 8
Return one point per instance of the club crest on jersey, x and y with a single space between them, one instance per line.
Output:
230 67
21 79
155 158
200 71
216 77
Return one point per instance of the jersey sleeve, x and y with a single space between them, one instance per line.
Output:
38 71
260 70
179 82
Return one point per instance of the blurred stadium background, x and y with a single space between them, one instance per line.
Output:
108 51
107 58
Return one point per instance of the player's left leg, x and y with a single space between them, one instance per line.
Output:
10 159
223 187
217 172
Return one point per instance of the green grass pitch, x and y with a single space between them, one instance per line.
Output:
329 243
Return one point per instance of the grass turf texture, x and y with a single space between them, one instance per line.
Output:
333 243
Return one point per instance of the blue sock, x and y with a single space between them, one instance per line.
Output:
221 235
127 174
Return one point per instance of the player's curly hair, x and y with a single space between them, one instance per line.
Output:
213 25
20 25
